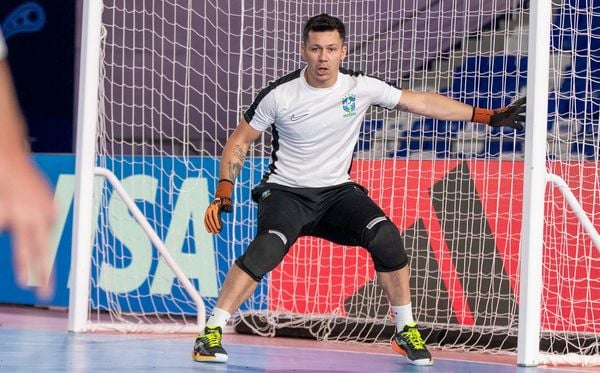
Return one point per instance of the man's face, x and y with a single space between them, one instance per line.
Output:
323 51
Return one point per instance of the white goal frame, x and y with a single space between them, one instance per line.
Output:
537 179
84 195
532 228
534 190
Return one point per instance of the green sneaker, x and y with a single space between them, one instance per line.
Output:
409 343
208 346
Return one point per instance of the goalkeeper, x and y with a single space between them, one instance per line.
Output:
315 115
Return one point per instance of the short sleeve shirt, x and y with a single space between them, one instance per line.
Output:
315 130
3 50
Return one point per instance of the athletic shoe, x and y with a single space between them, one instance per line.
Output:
409 343
208 346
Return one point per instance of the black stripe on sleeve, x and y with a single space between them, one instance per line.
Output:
249 114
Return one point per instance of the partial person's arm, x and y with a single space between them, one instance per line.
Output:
436 106
26 203
236 148
232 161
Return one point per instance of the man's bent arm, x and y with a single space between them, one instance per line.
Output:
236 148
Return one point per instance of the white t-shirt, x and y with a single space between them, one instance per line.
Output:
3 50
315 130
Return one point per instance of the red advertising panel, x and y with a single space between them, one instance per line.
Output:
462 218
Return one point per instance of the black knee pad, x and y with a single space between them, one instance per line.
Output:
382 239
264 253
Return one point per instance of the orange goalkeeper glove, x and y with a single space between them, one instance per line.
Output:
222 203
512 115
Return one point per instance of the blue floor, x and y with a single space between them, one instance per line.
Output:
57 351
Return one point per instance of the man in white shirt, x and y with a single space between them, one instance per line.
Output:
26 201
315 114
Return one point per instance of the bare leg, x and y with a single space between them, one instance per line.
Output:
236 289
396 286
407 341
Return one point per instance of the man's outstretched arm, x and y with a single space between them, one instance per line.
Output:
436 106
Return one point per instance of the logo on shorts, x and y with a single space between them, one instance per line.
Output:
349 105
265 194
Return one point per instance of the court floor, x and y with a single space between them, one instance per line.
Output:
34 340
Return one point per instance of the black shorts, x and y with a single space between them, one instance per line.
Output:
338 214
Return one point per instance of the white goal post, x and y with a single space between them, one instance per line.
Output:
500 226
80 318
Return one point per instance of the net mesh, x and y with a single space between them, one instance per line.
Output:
177 75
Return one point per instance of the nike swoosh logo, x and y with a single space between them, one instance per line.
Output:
298 116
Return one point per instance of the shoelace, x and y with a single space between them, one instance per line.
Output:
212 339
414 337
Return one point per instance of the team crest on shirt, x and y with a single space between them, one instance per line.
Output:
349 105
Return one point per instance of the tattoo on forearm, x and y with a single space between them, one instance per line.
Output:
234 170
239 153
401 107
235 166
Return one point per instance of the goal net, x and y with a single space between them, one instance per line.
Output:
175 76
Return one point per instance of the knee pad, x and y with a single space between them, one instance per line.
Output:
382 239
264 253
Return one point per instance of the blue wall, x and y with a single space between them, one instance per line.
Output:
40 36
205 258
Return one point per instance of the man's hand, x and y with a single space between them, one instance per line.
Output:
27 211
512 115
212 218
222 203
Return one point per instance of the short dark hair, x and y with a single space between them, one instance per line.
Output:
324 22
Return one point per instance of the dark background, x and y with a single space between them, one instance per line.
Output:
41 38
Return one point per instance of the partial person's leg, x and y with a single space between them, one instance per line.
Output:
396 285
280 219
236 289
355 219
391 263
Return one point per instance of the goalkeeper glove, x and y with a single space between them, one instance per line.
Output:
512 115
222 203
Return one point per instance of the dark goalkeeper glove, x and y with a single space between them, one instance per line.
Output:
222 203
512 115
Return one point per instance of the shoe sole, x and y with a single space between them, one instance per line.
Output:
420 362
218 358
